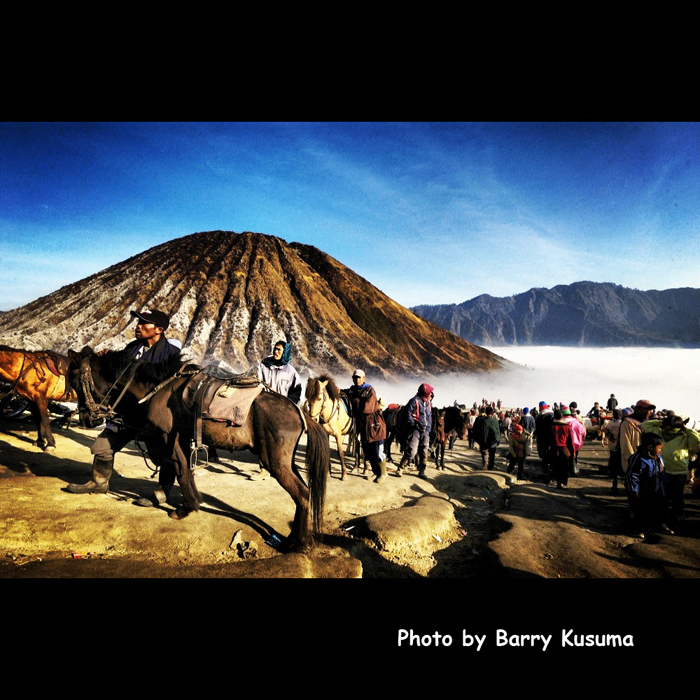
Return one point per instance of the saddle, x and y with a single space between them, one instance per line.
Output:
217 395
57 364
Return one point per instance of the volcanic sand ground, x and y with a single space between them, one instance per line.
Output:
461 523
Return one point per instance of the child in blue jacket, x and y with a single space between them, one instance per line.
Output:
645 482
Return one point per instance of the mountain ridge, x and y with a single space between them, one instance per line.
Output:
591 314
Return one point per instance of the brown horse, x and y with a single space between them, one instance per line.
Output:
271 430
39 377
440 437
325 405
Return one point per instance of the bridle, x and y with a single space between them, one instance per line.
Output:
102 410
324 398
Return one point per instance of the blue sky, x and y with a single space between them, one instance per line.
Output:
427 212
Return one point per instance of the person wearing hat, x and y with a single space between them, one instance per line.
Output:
369 422
516 451
578 433
680 442
562 448
150 345
419 412
631 430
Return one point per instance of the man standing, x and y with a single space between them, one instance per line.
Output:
150 345
487 434
420 422
369 422
631 430
562 449
528 423
578 434
543 434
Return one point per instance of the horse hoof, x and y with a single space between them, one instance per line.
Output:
179 513
50 448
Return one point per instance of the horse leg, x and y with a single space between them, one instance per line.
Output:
40 411
190 495
341 456
387 447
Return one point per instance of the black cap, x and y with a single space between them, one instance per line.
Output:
157 318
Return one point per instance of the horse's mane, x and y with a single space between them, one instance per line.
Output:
312 384
114 363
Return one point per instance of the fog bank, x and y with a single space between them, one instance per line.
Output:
668 377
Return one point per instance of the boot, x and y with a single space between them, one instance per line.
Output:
101 471
382 473
402 465
422 466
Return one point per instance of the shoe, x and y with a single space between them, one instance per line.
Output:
639 535
665 528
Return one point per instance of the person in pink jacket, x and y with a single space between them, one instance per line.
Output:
578 435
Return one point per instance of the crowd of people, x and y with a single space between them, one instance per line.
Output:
651 452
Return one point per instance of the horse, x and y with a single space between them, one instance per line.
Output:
39 377
396 419
440 438
271 430
325 405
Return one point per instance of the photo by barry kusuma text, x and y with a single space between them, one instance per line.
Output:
567 638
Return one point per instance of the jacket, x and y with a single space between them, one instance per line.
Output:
162 350
487 432
645 475
282 378
677 445
420 414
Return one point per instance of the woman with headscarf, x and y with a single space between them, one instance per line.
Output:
277 372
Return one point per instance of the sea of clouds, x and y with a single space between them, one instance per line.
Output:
668 377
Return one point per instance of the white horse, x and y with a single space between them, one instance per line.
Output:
325 405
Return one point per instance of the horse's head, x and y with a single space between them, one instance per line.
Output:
92 385
456 420
316 396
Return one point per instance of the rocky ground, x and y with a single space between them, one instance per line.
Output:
462 523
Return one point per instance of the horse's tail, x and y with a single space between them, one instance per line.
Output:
318 457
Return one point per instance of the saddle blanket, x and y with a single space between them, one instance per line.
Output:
232 403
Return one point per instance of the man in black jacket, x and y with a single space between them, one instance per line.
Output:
150 345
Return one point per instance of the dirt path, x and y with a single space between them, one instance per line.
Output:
463 523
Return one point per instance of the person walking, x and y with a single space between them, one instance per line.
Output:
487 435
516 451
420 421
